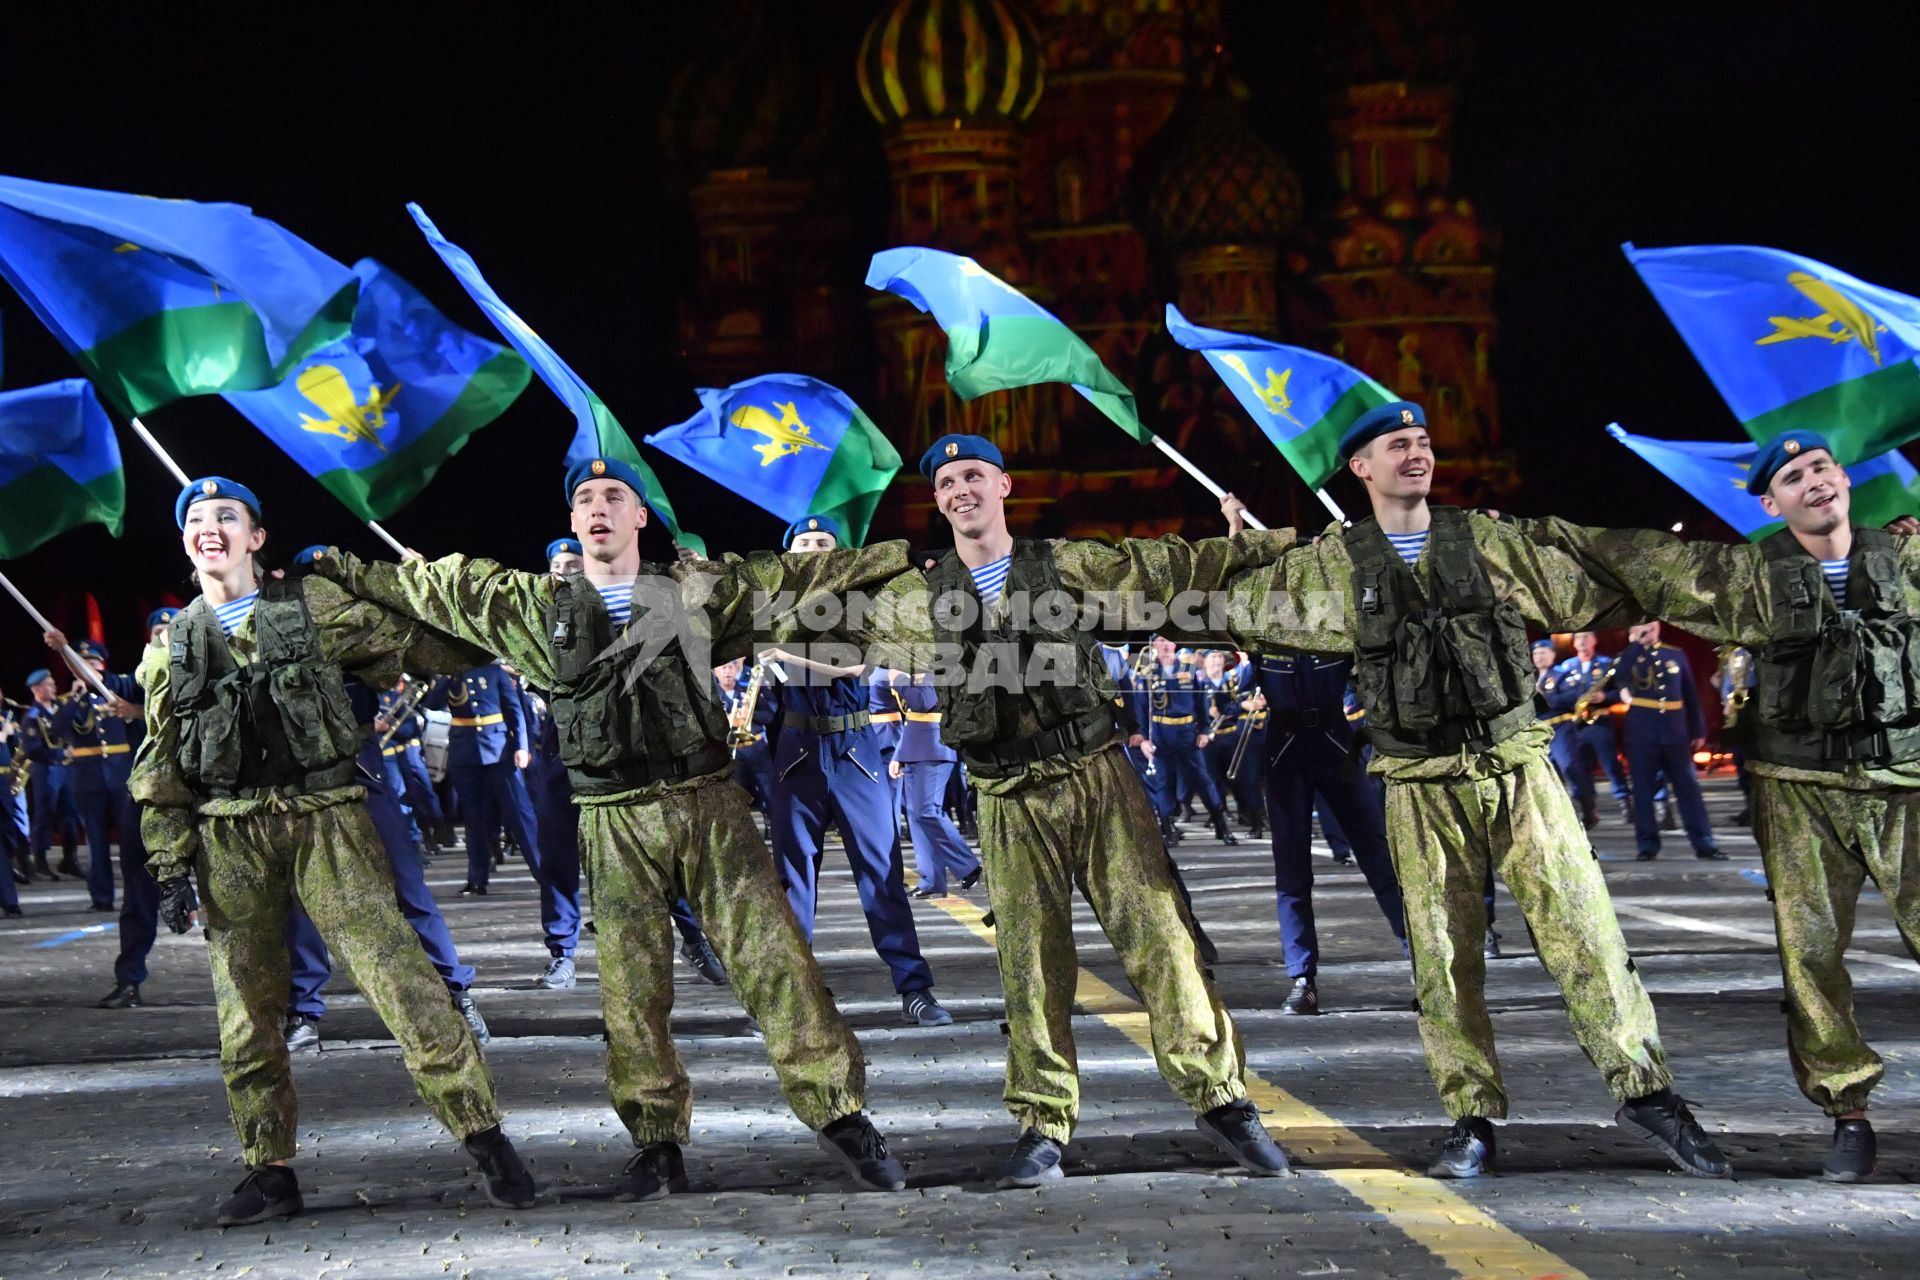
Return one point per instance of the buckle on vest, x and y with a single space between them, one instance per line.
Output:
1369 597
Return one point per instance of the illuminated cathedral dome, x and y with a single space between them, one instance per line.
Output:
976 61
1212 180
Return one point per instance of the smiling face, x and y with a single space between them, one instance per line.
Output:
607 518
1398 464
1813 493
221 536
818 540
972 495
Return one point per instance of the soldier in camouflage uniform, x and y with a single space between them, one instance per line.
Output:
1832 613
1435 605
247 785
645 745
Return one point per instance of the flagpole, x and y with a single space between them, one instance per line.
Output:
166 459
66 650
1331 505
1187 466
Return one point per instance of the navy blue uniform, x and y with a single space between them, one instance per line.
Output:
51 806
828 767
926 768
14 824
1663 720
1313 748
556 862
887 713
405 763
100 762
752 765
1223 706
140 896
1170 706
489 725
1553 706
1591 744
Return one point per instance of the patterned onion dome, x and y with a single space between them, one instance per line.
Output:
972 60
1212 180
758 102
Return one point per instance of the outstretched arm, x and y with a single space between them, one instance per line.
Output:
1182 584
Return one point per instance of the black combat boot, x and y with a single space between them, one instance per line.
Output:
655 1170
268 1191
1221 831
509 1185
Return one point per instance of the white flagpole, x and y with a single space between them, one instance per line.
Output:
166 459
73 659
1186 465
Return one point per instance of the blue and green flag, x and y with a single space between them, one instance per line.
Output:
1884 488
59 465
1303 400
374 416
791 444
997 337
162 299
1793 343
598 434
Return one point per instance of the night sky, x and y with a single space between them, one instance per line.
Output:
533 142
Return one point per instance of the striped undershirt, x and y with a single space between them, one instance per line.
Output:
990 579
234 612
1836 573
1409 545
619 600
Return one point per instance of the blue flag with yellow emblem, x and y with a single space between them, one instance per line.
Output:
597 434
373 417
1302 400
1884 488
791 444
162 299
1795 344
59 465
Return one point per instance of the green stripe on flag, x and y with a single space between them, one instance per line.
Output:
1019 351
46 502
376 492
195 351
1861 418
856 478
1315 452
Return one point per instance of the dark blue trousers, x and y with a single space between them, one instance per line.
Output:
420 795
557 868
96 810
1592 744
938 846
855 802
397 784
52 806
1181 771
139 900
491 796
1307 763
753 770
1675 760
14 830
307 951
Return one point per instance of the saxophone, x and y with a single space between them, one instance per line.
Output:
1737 663
740 723
1591 707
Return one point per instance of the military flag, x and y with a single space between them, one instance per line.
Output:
1304 401
598 434
59 465
373 417
1793 343
1884 488
161 299
791 444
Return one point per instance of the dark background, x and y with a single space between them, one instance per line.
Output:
534 143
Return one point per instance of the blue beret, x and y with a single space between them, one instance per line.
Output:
307 555
161 617
35 676
558 545
90 649
604 469
952 448
1777 453
1376 422
812 524
1543 642
213 487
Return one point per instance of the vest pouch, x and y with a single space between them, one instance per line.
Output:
1418 696
1883 672
1781 690
315 715
1373 684
1475 641
590 736
210 742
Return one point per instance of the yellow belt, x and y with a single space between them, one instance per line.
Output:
1657 704
391 751
884 717
111 749
924 717
1559 719
1173 719
477 721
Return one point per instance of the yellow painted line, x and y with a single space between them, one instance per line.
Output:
1464 1237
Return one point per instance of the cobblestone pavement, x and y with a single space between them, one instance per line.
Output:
117 1146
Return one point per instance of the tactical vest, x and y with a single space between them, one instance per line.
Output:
622 723
1443 673
998 730
1837 686
281 720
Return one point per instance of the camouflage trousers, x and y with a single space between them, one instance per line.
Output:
1444 833
644 850
1820 844
251 864
1090 825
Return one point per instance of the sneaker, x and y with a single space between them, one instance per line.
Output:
509 1185
1852 1157
1663 1119
920 1009
1236 1129
856 1144
1035 1159
463 1004
655 1170
705 962
559 975
472 890
125 995
1468 1151
303 1033
1490 945
1304 999
268 1191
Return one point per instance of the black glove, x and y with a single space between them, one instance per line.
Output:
178 902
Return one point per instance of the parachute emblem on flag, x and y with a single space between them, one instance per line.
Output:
1273 395
1837 309
786 436
328 390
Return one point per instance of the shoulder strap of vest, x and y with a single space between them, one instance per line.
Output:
197 650
282 626
1371 554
